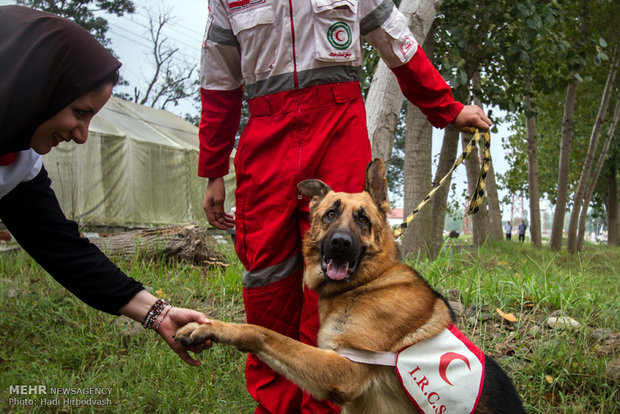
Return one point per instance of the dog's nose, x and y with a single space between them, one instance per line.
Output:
341 241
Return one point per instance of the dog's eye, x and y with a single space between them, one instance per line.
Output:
363 219
330 214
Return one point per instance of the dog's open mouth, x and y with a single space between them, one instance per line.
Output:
339 269
336 270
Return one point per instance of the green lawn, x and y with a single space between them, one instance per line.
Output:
48 338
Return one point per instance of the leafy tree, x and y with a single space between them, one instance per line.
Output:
532 51
571 48
85 12
369 64
471 39
611 175
396 164
581 200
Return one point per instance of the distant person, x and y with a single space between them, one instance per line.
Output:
508 230
54 77
521 230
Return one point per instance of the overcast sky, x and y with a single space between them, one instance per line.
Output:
130 38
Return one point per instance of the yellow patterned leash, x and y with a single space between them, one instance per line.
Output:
477 197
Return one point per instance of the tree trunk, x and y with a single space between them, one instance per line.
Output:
494 212
532 169
586 171
418 175
597 172
562 192
612 204
447 156
382 110
189 243
385 99
480 220
417 181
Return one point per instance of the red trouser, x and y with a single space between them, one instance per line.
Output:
317 132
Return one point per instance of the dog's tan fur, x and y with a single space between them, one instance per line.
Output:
384 306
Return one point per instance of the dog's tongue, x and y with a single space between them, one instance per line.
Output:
337 271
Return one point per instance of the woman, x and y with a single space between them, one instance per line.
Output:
54 77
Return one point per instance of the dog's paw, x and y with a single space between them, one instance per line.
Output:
193 333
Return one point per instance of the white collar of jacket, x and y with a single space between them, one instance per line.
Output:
25 167
442 374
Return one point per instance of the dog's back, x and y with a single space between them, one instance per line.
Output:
499 395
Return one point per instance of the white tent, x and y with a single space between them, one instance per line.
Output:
138 168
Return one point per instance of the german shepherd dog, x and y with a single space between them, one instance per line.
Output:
368 301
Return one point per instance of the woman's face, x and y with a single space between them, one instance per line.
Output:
71 123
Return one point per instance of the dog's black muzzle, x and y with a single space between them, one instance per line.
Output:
341 254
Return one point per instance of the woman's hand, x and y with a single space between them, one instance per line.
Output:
175 319
167 322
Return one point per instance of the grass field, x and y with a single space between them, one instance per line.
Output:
48 338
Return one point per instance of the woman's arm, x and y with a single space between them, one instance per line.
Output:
33 216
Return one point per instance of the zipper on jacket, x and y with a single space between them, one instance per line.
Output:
290 5
299 132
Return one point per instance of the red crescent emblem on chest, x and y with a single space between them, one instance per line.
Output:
445 360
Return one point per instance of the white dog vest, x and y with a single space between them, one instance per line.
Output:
443 374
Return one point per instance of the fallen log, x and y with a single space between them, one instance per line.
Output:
189 243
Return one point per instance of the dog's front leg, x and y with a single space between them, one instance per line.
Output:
241 336
323 373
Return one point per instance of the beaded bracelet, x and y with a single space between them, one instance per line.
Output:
162 319
155 311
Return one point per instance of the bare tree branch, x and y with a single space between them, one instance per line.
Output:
172 78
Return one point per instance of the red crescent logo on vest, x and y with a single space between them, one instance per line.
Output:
339 35
445 360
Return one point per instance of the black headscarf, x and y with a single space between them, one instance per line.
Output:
46 62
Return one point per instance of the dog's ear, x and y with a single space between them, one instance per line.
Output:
376 184
313 188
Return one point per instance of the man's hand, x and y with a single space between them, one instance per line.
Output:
471 116
214 205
